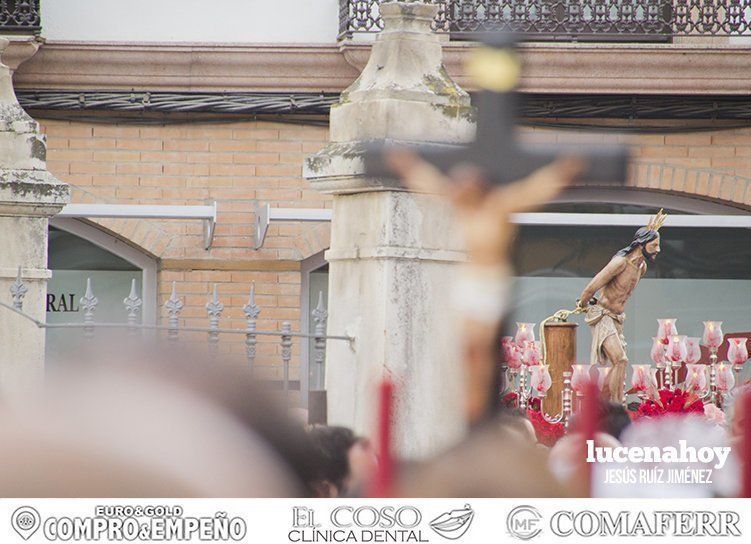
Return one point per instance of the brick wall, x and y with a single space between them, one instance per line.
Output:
728 150
232 163
708 164
237 163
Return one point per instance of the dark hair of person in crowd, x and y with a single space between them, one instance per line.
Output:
257 407
613 419
331 447
493 461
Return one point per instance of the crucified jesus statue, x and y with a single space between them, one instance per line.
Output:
605 315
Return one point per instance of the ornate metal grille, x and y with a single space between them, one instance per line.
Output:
20 17
175 330
570 19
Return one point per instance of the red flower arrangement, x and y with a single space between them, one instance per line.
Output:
535 403
547 433
510 400
671 403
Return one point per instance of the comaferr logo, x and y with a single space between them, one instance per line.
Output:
524 522
668 523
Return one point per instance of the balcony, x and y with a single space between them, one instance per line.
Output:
570 20
20 17
701 49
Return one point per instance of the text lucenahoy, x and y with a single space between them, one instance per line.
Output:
653 454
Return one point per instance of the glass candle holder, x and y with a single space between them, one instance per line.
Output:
532 354
725 378
540 380
525 332
737 351
657 352
693 350
602 374
677 350
696 378
643 377
712 337
665 329
506 343
514 355
580 377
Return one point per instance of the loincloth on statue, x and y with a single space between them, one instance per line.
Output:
604 324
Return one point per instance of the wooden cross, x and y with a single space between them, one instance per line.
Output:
496 71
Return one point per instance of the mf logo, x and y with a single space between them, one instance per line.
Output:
524 522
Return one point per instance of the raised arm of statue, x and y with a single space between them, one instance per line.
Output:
612 269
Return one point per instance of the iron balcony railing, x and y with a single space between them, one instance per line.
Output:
592 20
20 17
174 330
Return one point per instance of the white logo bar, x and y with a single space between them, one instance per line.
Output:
285 521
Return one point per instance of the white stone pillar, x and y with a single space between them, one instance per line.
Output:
29 195
392 252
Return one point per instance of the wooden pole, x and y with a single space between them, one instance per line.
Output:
560 348
590 424
383 480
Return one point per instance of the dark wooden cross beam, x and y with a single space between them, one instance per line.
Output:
496 70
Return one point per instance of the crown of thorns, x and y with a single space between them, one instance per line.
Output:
656 222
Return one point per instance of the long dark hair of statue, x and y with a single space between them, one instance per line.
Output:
642 237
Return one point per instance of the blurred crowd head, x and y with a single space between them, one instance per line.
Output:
155 423
171 424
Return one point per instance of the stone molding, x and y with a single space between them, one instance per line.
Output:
186 67
610 68
27 273
20 49
686 68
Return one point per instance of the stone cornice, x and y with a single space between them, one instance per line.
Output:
550 68
20 49
186 67
636 68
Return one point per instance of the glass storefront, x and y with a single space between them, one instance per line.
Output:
72 259
702 274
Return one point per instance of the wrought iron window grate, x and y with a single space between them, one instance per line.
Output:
20 17
569 19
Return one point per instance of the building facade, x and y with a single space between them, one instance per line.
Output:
196 104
